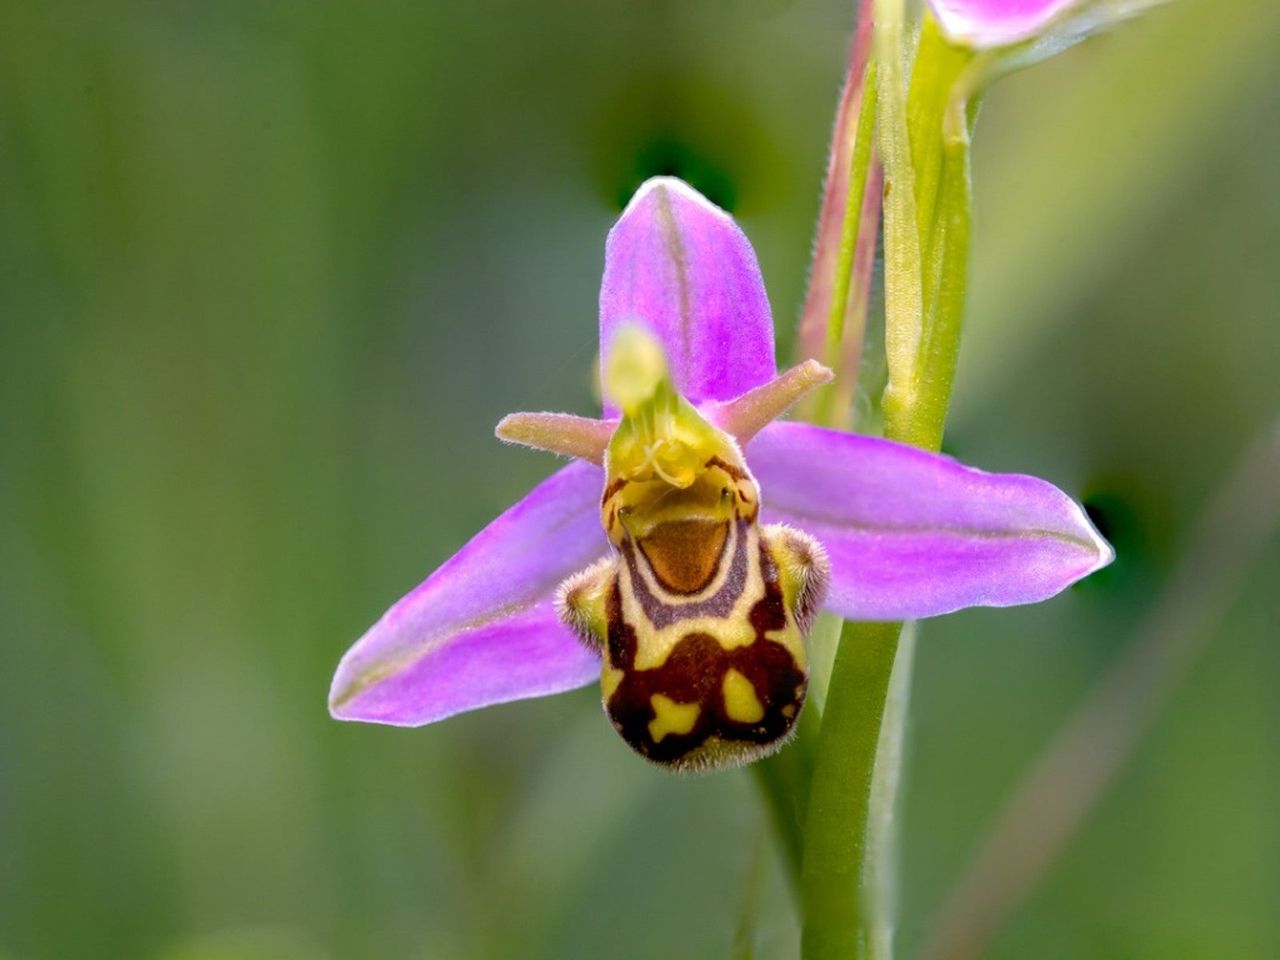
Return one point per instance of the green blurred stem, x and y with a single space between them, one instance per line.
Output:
783 780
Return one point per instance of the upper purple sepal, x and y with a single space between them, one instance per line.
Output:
679 265
482 628
913 534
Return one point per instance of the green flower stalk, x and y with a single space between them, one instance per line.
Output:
925 105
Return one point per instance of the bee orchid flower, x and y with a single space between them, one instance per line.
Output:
681 557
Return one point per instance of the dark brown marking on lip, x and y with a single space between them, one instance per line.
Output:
736 472
694 672
769 612
741 479
719 604
613 489
685 554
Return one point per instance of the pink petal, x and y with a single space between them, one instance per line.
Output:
481 629
913 534
996 23
679 265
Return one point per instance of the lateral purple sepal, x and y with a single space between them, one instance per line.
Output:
680 266
481 629
529 654
984 24
912 534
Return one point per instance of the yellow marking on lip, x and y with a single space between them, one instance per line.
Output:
740 700
671 717
610 678
655 646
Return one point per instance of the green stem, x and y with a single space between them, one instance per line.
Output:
843 412
848 274
837 902
922 422
938 65
783 779
903 295
812 333
926 266
947 258
943 347
852 217
882 848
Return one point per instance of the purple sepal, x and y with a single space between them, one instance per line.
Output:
481 629
912 534
528 654
680 266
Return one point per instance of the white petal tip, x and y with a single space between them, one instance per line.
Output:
675 186
1105 553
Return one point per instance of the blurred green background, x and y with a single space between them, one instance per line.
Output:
269 274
